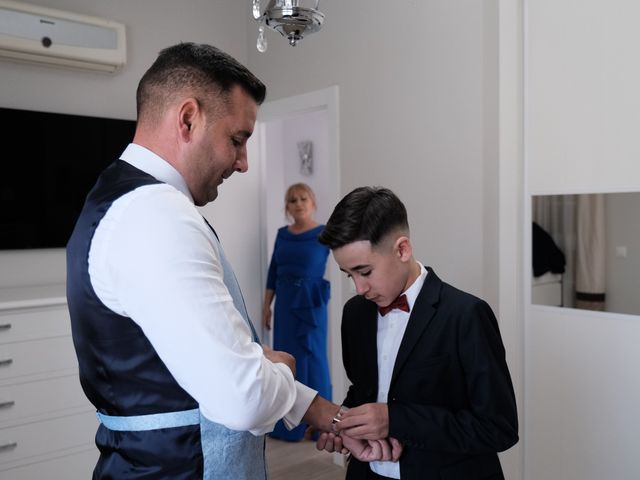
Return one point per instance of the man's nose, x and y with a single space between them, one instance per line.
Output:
242 162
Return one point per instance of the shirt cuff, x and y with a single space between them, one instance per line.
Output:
304 397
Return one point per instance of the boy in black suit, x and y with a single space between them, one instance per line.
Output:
426 361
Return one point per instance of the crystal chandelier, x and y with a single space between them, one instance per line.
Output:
288 17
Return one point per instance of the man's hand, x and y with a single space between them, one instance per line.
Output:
330 442
366 422
388 449
276 356
320 414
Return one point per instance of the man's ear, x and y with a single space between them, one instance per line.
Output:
403 248
187 116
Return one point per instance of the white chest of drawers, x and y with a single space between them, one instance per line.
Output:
47 426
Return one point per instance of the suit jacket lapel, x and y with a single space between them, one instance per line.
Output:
369 343
423 311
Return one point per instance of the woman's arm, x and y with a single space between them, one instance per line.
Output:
266 307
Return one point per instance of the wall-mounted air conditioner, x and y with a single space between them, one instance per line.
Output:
30 33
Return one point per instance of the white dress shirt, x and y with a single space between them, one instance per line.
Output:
391 329
154 259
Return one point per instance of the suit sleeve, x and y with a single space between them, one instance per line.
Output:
485 418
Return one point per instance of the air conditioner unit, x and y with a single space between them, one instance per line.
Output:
30 33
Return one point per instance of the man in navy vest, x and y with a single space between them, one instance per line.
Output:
166 351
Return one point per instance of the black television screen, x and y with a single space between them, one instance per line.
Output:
50 163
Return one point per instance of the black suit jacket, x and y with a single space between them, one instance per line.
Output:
451 400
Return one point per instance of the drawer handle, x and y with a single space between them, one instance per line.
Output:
4 363
5 326
8 446
7 404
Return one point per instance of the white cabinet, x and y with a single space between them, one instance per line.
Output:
47 426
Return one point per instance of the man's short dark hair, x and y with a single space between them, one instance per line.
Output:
200 69
366 213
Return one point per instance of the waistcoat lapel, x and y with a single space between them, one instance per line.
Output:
231 282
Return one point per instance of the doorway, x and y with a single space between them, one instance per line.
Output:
285 129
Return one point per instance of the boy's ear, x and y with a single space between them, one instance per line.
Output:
403 248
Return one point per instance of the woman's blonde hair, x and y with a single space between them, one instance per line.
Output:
298 187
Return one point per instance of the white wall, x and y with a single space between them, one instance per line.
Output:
275 179
581 117
582 99
150 26
310 126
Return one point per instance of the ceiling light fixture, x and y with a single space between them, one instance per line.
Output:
287 17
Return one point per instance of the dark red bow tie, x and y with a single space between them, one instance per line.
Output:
399 303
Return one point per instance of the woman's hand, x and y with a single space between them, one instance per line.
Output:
266 317
266 308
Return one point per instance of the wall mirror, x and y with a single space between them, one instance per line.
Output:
586 251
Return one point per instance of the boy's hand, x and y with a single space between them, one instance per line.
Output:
364 450
366 422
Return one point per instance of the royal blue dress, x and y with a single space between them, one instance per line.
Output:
300 313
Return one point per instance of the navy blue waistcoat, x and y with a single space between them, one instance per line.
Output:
120 371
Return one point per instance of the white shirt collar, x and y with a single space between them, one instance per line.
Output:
147 161
413 291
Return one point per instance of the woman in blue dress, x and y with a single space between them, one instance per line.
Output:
301 294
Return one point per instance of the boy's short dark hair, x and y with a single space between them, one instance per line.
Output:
366 213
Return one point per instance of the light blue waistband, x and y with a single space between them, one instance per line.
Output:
153 421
